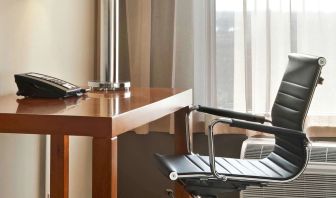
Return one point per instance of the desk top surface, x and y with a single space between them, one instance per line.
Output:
118 111
93 104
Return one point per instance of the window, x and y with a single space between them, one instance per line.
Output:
253 39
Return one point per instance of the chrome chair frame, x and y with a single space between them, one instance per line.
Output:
290 138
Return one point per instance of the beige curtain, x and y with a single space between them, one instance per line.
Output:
150 30
161 45
150 34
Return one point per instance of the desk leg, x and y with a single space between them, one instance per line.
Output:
180 145
59 166
104 168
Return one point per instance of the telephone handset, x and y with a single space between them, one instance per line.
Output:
37 85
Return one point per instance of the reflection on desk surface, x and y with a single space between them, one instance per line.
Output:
93 104
37 106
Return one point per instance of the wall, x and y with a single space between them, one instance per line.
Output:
51 37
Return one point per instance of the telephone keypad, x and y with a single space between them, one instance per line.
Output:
53 80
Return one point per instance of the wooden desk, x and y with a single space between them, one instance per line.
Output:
101 115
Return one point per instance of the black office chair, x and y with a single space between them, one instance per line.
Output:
207 176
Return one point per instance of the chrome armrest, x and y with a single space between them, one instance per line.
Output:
189 136
245 125
212 155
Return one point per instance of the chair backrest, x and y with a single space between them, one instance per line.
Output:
290 108
296 91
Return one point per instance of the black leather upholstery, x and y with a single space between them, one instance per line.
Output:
289 156
295 92
279 168
231 114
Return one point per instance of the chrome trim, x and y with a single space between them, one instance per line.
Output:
205 176
109 43
173 176
322 61
189 136
212 158
106 86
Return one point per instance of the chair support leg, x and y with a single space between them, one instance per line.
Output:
170 193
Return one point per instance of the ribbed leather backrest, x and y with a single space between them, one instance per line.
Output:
296 91
290 108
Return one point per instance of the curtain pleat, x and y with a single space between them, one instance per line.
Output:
233 54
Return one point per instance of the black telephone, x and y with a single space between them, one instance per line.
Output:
37 85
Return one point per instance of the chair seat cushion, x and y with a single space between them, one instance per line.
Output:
267 168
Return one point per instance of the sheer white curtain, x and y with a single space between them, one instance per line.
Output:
240 50
254 38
